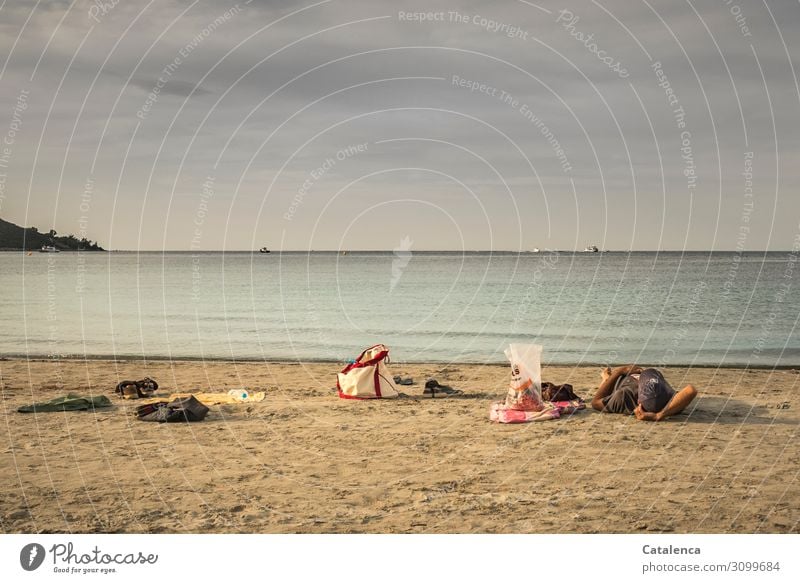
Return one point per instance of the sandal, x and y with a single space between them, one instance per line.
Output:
434 390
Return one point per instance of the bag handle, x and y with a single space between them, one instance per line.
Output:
383 354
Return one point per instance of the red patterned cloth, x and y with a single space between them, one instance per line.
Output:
500 413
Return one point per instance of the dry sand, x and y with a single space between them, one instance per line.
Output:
305 461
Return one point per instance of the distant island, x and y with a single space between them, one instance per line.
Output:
16 238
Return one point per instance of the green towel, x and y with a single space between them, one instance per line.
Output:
69 403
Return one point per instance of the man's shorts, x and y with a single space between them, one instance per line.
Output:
624 397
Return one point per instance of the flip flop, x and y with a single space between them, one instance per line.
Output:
436 391
401 381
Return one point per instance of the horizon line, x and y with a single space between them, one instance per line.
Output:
519 251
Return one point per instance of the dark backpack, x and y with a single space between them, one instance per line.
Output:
188 409
551 392
182 409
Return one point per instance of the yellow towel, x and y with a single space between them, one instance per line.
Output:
209 398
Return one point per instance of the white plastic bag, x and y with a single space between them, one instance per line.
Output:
525 388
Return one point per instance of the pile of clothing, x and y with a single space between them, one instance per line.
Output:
70 402
528 398
556 400
177 410
177 407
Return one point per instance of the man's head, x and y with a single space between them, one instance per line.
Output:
654 391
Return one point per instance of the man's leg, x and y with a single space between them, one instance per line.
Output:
678 403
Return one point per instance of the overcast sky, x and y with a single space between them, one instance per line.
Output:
629 124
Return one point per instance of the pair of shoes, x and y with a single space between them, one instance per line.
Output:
401 381
136 389
436 391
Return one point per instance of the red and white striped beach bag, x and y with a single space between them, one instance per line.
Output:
368 377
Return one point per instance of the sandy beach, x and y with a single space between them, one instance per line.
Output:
305 461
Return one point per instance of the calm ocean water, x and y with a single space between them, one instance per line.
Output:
658 308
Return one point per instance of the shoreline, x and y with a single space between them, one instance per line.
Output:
125 358
453 252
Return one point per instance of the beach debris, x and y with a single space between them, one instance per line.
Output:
784 405
398 380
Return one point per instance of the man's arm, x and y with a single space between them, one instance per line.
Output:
607 386
677 404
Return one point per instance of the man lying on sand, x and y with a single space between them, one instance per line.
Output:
645 393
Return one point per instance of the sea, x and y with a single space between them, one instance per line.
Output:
653 308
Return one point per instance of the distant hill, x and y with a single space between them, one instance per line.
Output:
16 238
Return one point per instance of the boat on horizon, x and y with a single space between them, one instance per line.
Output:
49 249
263 250
591 249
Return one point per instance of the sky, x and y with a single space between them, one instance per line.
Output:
460 125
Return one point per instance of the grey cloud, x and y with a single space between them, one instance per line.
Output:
213 107
171 87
